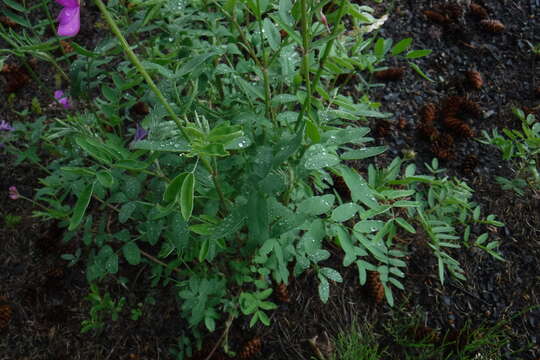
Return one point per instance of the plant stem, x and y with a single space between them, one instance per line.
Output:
263 65
322 62
228 324
305 63
157 261
34 202
329 44
136 62
51 22
218 186
264 68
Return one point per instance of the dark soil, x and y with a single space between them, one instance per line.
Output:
47 297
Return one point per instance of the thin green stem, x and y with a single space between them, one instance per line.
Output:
34 203
264 68
243 39
330 44
262 64
136 62
218 186
322 62
51 23
306 39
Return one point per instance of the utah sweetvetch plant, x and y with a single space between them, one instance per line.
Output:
228 183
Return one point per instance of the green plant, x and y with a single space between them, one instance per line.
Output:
137 312
230 180
412 339
72 258
11 220
253 303
522 149
447 216
357 343
100 305
535 48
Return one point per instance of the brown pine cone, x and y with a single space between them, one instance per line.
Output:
475 79
469 164
392 74
478 11
472 108
282 293
458 126
492 26
6 311
375 286
442 147
441 152
251 348
436 17
428 114
452 105
445 140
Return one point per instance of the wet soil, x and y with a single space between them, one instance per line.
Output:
47 296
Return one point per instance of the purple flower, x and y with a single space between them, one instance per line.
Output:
59 96
13 193
4 126
69 18
140 133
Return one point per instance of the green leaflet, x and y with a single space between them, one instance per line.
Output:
80 207
172 192
132 253
186 196
105 178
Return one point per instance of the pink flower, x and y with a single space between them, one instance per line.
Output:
59 96
13 193
69 18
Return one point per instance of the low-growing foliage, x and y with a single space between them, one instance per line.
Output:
11 221
225 180
357 343
522 149
101 305
472 340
